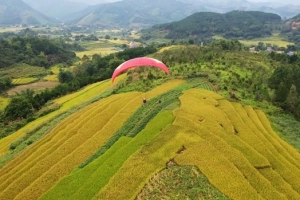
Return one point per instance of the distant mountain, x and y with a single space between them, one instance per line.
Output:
57 8
146 13
234 24
131 13
17 12
93 2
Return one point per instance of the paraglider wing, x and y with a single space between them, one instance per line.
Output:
136 62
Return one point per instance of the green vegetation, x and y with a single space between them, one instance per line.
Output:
234 24
169 183
275 40
22 70
34 51
3 103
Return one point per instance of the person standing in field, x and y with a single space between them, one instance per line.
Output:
144 100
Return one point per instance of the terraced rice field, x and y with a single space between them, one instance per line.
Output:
69 144
234 146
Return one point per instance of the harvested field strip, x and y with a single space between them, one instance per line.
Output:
290 173
67 185
150 159
274 144
92 185
43 158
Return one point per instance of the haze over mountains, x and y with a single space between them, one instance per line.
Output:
130 13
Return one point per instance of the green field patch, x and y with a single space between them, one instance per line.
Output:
23 81
53 78
275 39
103 47
269 40
23 71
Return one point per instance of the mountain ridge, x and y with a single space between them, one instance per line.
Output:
14 12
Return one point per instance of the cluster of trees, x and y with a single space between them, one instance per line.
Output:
36 51
235 24
5 83
294 36
285 81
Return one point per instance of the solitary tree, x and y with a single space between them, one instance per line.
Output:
292 99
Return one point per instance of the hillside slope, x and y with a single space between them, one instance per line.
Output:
233 146
132 13
234 24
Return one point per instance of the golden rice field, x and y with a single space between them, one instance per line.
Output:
103 47
102 50
275 39
77 99
23 81
233 145
3 102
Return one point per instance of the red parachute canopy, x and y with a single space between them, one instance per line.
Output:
136 62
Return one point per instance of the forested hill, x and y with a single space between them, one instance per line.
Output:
133 13
18 12
33 51
234 24
297 17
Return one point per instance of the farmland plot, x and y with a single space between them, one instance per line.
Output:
41 165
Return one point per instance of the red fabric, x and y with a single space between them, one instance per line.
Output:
136 62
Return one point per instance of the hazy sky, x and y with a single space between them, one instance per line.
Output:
295 2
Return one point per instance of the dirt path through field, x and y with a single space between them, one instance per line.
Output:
35 86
